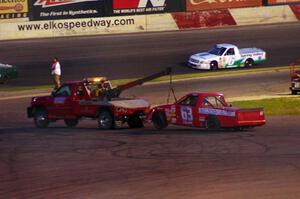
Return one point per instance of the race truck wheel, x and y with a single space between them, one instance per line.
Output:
4 79
213 65
249 63
41 118
212 123
135 121
294 92
106 120
159 120
71 122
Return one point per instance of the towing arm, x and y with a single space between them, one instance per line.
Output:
115 92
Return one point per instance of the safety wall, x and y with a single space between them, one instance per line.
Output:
22 19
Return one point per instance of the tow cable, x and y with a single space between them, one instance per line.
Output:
171 89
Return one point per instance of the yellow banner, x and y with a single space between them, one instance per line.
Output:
13 7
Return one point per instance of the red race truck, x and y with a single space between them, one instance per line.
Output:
207 110
77 99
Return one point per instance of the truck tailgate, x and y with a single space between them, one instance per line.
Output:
251 117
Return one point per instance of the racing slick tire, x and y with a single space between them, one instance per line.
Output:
71 122
106 120
212 123
159 120
41 118
249 63
213 65
4 79
135 121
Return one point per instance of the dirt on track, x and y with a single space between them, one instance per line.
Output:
174 163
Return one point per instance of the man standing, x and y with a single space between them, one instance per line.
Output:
56 73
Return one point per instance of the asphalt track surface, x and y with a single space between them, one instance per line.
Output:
176 163
135 55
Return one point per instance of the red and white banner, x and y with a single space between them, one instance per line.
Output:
296 10
211 18
194 5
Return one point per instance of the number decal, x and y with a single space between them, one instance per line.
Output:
231 61
186 113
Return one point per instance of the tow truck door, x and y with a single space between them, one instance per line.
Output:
62 101
186 111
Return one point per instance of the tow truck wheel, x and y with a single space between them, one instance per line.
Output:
105 120
213 65
159 120
212 123
249 63
41 118
71 122
135 121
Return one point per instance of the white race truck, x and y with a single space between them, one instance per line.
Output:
227 56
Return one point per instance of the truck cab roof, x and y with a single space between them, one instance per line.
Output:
225 45
204 94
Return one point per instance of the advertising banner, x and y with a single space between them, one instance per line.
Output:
194 5
202 19
132 7
13 9
296 10
275 2
65 9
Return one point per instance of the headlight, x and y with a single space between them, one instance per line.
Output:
194 60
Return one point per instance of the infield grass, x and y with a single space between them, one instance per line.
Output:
274 106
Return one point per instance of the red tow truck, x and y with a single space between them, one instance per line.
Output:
75 100
206 110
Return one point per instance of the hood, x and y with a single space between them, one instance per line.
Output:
36 100
203 56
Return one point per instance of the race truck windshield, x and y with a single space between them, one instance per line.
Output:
217 51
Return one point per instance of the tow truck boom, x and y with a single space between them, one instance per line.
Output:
115 92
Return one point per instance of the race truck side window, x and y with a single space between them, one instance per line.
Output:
190 101
215 101
230 51
63 91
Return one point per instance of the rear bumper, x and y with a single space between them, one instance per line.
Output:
252 123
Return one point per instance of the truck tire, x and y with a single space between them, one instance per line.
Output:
213 65
249 62
41 118
71 122
294 92
159 120
4 79
212 123
135 121
106 120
